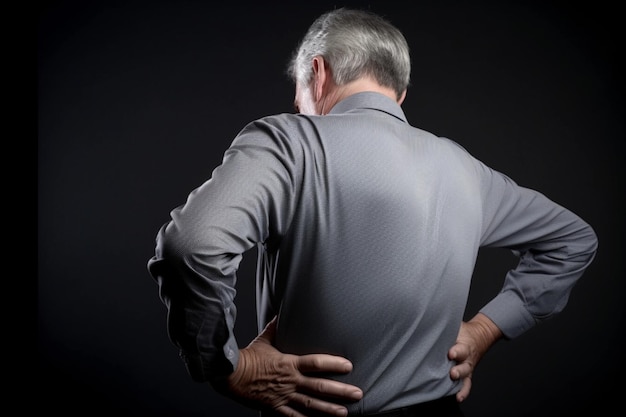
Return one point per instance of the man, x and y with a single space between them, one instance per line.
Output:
367 231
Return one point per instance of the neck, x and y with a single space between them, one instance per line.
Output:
338 92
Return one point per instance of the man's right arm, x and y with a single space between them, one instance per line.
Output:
554 246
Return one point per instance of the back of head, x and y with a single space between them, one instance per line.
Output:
355 43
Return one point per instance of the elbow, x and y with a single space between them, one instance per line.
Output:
582 251
590 242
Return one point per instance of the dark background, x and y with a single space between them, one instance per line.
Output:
137 102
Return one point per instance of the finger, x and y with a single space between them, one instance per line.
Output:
458 352
306 402
323 363
462 370
329 388
287 411
465 390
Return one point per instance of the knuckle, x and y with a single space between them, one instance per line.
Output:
320 387
317 362
308 403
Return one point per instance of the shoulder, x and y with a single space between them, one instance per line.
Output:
274 137
283 123
286 130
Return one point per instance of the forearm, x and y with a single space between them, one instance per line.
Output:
199 298
540 285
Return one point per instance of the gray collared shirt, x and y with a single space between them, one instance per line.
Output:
367 231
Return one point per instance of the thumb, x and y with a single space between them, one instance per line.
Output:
269 332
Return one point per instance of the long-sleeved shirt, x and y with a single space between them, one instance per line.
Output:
367 231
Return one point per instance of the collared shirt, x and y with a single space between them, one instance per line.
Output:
367 231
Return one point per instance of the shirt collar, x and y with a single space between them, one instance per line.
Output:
369 100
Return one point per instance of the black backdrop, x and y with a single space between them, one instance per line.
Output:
138 100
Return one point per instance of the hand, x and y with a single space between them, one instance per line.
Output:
266 379
474 340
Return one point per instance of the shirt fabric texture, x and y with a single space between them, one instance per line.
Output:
367 231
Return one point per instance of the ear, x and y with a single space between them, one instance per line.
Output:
402 97
320 77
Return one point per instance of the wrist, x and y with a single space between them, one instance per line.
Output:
486 330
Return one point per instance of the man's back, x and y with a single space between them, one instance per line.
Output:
377 261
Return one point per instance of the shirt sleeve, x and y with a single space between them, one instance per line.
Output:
554 247
246 201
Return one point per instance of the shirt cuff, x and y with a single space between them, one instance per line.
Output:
508 312
202 370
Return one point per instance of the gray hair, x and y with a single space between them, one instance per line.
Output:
355 43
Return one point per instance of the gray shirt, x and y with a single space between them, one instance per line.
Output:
367 232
